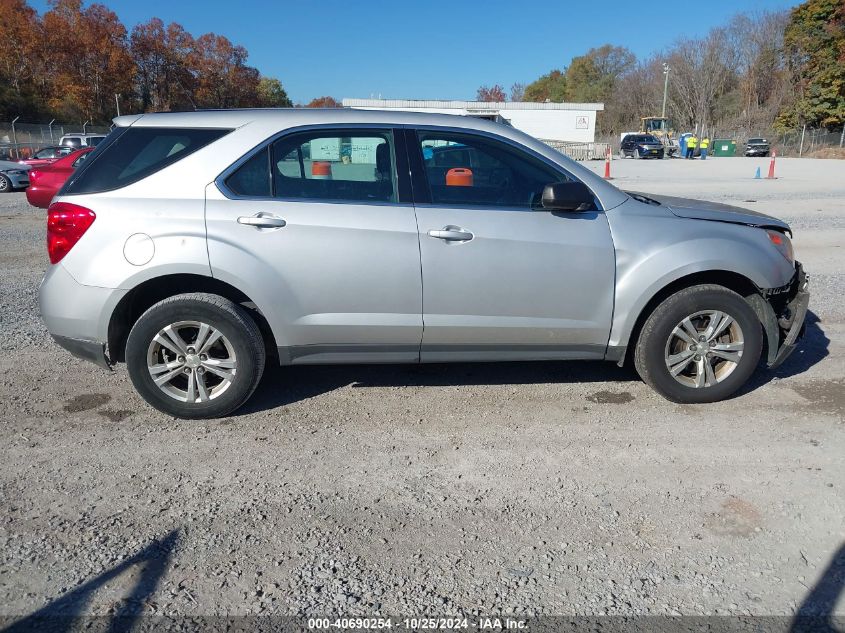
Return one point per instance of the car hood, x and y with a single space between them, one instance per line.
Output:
7 165
717 212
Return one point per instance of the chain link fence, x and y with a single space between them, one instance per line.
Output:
816 143
21 140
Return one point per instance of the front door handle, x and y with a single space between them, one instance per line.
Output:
262 221
451 234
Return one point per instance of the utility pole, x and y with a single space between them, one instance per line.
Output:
15 138
117 102
666 70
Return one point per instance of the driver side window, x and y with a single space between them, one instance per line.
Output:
468 170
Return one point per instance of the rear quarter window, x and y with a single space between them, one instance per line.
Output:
131 154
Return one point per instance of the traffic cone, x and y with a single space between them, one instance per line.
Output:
321 170
607 165
757 175
771 175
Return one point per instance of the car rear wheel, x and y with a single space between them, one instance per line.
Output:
5 184
700 345
195 356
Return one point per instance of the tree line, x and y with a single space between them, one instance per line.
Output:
77 64
760 72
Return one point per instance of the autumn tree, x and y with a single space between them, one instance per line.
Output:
163 77
90 67
814 42
324 102
494 94
20 40
222 78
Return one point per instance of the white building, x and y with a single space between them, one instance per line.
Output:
567 122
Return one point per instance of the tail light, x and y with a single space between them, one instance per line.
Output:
66 223
34 175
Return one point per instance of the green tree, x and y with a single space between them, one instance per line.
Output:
814 44
549 87
271 94
593 76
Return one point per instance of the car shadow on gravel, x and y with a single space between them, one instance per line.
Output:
816 613
812 349
68 612
287 385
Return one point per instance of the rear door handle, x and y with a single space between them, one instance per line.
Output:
262 221
451 234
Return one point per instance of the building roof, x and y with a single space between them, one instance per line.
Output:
468 105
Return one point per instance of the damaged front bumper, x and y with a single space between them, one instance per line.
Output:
782 312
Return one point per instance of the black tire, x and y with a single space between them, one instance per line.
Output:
652 344
237 328
5 184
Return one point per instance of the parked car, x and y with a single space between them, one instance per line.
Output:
12 176
757 147
81 140
641 146
46 156
196 247
45 181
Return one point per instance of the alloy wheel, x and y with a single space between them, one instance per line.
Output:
704 349
191 361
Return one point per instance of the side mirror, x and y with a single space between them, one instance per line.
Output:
567 196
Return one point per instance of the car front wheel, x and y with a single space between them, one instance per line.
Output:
5 184
195 356
700 345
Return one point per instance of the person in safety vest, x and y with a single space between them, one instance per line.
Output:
692 143
704 145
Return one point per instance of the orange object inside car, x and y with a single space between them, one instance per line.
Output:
459 177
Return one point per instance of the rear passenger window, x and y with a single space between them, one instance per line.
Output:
348 165
135 153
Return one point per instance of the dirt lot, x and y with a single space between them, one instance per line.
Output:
562 488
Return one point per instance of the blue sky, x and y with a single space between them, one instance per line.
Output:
430 49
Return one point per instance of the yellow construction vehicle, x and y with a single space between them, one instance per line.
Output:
659 127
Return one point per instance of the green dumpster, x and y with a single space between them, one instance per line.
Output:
723 147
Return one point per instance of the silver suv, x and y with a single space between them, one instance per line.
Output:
195 246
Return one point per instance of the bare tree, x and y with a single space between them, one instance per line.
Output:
702 70
518 91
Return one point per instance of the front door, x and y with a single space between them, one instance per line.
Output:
314 230
502 278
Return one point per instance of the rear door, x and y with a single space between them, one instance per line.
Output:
504 279
319 229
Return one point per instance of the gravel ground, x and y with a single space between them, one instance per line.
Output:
547 488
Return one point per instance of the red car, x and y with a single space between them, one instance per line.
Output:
44 182
46 156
